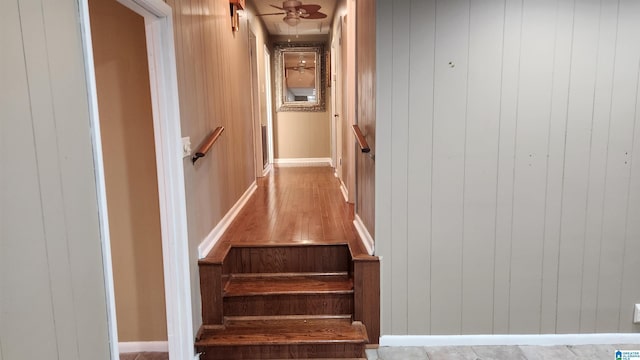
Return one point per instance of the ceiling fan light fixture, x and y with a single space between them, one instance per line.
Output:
291 19
291 4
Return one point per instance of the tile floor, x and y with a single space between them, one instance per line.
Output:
145 356
580 352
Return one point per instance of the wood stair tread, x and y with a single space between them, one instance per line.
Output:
285 331
294 283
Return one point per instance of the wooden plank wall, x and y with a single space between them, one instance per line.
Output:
507 199
52 296
366 110
213 78
213 82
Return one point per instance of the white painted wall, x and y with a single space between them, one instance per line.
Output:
52 297
507 199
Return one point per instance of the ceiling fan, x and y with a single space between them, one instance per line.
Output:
300 68
294 11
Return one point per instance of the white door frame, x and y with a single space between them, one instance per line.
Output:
269 106
334 109
255 103
171 190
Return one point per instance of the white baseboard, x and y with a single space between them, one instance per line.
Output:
266 170
143 346
366 238
504 340
283 162
207 244
345 192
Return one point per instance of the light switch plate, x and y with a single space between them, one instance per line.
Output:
636 315
186 147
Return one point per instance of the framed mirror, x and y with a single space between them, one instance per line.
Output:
300 80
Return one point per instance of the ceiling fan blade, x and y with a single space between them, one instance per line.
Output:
310 9
315 15
278 13
277 7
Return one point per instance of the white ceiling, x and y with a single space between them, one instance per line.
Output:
275 25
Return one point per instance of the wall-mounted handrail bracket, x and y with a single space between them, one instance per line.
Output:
362 142
207 144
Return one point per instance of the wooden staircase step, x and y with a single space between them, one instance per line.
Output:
288 284
285 330
289 304
286 258
283 337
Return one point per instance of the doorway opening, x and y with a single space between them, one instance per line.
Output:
126 126
165 141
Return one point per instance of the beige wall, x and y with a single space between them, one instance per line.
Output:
258 29
213 83
336 48
506 198
366 110
302 134
52 293
343 41
126 124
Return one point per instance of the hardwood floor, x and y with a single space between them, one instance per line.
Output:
290 277
294 205
145 356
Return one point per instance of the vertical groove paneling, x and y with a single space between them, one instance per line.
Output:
22 230
421 68
399 149
383 189
529 186
77 178
509 82
630 293
450 79
44 136
482 129
533 111
623 107
576 164
555 163
51 271
597 166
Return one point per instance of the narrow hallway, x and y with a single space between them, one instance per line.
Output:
295 205
290 277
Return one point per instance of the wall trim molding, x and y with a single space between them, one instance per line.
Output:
143 346
365 236
345 192
503 340
210 240
291 162
267 170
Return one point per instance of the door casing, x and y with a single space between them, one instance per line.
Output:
172 200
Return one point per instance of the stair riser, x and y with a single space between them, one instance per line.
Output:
287 259
301 351
271 305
